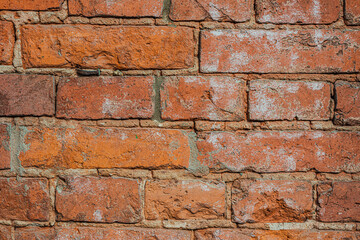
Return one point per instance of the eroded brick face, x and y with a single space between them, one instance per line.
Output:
5 157
27 199
5 232
300 11
92 199
347 103
352 12
30 4
105 97
7 41
107 47
128 8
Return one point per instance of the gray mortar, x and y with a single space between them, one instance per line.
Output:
17 145
157 86
195 166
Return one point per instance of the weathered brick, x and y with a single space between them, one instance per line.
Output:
100 233
209 98
7 41
90 147
27 95
4 146
107 47
244 234
182 200
5 232
352 12
219 10
289 100
271 201
277 151
339 201
30 4
347 103
26 199
283 51
303 12
124 8
93 199
105 97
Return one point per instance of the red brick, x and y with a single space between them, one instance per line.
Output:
271 201
26 199
5 232
352 12
289 100
282 51
36 233
183 200
209 98
275 151
30 4
4 146
7 41
124 8
219 10
339 201
121 233
347 103
27 95
91 147
245 234
303 12
105 97
107 47
92 199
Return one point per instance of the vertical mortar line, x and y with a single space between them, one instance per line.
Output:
198 43
247 107
56 83
166 11
197 50
142 198
158 81
333 101
14 148
228 195
52 189
314 189
192 237
12 233
17 56
253 12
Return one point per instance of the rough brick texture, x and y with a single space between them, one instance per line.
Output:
4 146
92 199
24 199
218 10
7 41
184 200
27 95
105 97
347 103
30 4
127 8
107 47
210 98
283 51
339 201
300 11
91 147
284 100
271 201
352 12
281 151
5 232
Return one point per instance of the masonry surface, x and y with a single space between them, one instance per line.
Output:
180 119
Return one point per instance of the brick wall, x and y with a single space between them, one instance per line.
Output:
181 119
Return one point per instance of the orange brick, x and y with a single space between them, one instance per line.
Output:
271 201
105 97
30 4
26 199
289 100
280 51
244 234
92 199
107 47
5 232
219 10
347 103
303 12
124 8
91 147
352 12
339 201
4 146
277 151
209 98
183 200
23 95
7 41
38 233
